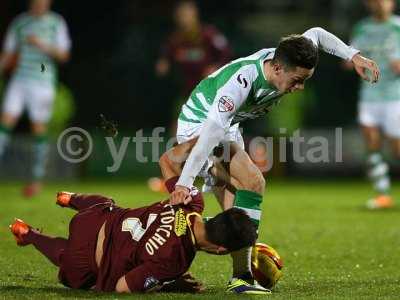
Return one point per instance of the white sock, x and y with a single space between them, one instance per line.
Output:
378 173
40 152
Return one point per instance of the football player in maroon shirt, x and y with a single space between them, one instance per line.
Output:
197 49
110 248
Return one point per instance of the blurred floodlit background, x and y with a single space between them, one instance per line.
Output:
113 71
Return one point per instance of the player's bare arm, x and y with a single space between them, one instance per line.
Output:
58 54
5 60
8 52
395 66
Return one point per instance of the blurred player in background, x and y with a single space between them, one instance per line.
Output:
40 39
378 37
197 49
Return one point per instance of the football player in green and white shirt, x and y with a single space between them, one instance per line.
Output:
245 89
378 36
40 39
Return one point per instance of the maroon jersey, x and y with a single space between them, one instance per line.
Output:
149 245
195 53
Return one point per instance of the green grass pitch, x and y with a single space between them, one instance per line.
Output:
332 247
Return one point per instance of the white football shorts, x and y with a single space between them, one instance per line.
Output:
187 131
33 96
385 115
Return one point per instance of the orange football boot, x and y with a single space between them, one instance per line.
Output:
19 229
380 202
63 199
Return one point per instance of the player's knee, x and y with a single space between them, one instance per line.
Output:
259 184
255 182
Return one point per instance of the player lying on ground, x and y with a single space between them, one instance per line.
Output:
245 89
135 250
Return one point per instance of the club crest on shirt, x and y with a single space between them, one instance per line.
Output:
180 223
225 104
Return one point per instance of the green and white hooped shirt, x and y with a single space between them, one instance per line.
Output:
50 28
381 42
242 79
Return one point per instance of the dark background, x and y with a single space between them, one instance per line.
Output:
116 43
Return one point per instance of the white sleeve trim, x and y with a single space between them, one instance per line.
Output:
329 43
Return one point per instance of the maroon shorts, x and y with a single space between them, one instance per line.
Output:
78 267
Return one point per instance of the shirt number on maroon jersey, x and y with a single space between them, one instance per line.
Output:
134 226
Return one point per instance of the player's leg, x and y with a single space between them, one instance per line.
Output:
40 106
224 196
248 196
395 145
377 168
248 179
81 201
249 185
51 247
7 123
371 120
392 128
12 108
244 189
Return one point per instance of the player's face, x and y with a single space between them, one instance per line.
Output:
39 7
289 80
381 8
186 15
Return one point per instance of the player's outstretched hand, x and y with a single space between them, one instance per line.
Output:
362 64
181 195
184 284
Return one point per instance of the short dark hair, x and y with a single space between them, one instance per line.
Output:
296 51
231 229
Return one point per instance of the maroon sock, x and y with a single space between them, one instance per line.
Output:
83 201
49 246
